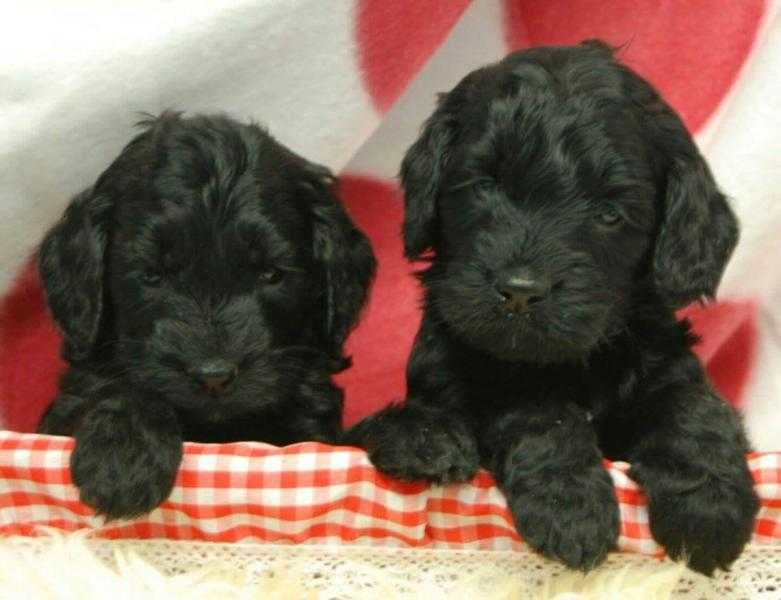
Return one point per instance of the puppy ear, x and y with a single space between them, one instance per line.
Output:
71 265
698 231
347 259
423 167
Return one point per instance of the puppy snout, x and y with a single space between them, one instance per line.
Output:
520 289
214 375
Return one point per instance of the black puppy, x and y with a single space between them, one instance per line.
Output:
568 213
204 286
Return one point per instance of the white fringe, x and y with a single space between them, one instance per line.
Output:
67 568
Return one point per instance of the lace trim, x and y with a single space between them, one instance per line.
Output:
344 572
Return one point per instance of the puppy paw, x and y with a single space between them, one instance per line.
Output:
122 467
430 453
708 524
411 446
573 519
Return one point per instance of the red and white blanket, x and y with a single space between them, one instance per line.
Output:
348 83
314 494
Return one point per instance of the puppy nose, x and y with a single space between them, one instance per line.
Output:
521 289
215 375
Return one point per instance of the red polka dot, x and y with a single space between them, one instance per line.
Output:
692 51
728 340
395 38
30 363
381 343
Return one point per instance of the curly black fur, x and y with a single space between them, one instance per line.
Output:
563 168
204 287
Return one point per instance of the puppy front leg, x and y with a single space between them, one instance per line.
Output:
63 415
413 442
128 451
547 462
689 457
80 389
429 437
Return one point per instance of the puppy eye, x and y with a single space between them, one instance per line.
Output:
271 276
609 218
484 186
151 278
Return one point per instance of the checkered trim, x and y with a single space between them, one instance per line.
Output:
311 493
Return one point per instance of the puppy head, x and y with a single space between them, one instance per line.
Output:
208 260
555 190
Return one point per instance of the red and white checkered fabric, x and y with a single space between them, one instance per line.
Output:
311 493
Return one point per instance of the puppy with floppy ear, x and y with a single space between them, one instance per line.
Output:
567 213
204 287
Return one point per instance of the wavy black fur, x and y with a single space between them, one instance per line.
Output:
565 163
205 239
